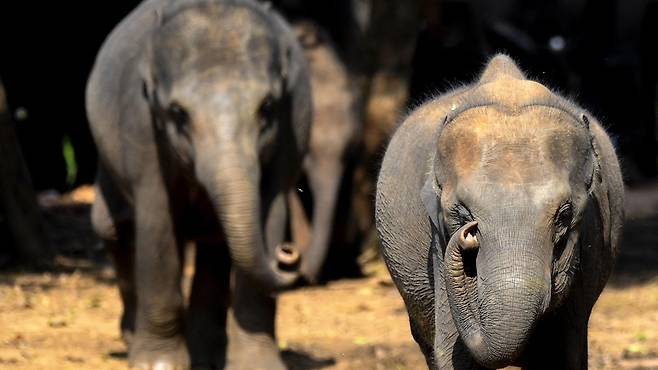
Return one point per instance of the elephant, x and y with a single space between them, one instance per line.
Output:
334 133
201 113
499 206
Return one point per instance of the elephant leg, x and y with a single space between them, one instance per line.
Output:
111 218
560 341
251 321
123 258
158 342
209 300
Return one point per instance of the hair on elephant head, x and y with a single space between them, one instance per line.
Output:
221 100
506 206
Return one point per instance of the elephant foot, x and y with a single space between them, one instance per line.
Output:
250 329
256 359
158 354
253 352
127 337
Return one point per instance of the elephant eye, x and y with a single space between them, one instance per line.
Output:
178 114
459 215
266 112
564 216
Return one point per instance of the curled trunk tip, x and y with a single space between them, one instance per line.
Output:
287 256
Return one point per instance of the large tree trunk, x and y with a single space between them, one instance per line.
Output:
27 239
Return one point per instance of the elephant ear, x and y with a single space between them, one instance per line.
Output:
431 200
148 83
147 80
595 176
286 67
145 67
146 72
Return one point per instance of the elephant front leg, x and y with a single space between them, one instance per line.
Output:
559 342
158 342
251 321
209 300
122 256
111 217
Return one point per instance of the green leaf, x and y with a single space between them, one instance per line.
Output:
69 159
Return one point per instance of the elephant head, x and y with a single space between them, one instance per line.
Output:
225 89
508 189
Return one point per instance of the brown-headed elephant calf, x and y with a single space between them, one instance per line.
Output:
201 112
499 206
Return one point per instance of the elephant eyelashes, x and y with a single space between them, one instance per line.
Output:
459 216
178 115
564 218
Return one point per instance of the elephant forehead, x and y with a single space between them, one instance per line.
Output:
201 38
488 144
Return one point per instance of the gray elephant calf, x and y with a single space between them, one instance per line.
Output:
331 146
201 114
499 207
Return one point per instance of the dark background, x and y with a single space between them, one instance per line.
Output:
604 54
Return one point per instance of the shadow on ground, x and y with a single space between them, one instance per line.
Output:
300 360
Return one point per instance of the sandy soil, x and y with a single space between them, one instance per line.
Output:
68 319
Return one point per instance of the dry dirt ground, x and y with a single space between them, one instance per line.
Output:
67 319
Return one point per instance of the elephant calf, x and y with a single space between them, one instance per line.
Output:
201 113
499 206
331 146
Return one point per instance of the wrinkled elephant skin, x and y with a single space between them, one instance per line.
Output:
499 206
201 113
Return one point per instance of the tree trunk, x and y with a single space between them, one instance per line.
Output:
27 241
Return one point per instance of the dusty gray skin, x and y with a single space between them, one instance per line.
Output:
334 132
201 112
499 206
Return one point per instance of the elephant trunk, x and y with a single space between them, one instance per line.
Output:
496 293
325 189
233 183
